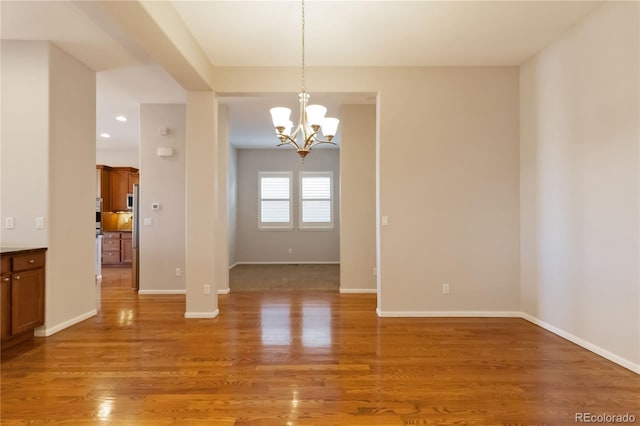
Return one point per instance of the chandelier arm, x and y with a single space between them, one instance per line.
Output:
320 142
310 140
289 141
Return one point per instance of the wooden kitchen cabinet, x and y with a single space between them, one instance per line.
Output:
116 248
134 178
119 189
111 248
5 282
116 183
105 187
126 249
23 291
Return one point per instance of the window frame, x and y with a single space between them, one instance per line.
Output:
320 226
275 226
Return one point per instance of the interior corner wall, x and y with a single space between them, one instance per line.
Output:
162 180
271 246
580 202
24 143
72 118
358 197
119 157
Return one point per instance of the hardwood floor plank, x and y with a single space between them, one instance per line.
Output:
301 358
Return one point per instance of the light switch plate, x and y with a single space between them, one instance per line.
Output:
39 222
8 223
385 220
148 221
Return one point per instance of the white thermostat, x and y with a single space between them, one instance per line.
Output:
155 206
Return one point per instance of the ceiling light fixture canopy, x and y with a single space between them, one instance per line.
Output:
312 118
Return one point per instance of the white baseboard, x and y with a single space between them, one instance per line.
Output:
292 262
584 343
224 291
44 332
204 315
358 290
177 291
449 314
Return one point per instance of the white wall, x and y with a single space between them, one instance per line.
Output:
358 197
24 147
162 180
48 115
580 183
119 157
255 245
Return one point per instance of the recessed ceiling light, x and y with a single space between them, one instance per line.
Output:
105 135
121 118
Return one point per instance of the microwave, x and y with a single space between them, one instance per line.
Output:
129 201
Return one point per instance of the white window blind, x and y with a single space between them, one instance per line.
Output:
316 200
275 200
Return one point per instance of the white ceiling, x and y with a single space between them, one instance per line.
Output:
267 33
377 33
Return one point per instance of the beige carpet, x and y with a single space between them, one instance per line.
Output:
284 277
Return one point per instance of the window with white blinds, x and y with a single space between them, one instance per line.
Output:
275 200
316 200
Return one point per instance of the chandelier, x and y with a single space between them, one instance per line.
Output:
312 119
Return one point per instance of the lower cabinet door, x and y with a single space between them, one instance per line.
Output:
5 325
27 300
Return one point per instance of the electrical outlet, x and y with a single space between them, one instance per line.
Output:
178 272
207 289
9 223
375 272
40 222
290 250
445 288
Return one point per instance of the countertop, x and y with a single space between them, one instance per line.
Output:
7 250
104 231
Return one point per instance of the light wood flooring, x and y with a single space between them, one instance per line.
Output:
301 358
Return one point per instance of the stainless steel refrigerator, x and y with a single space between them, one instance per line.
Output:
135 239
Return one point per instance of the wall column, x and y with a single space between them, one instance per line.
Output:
201 174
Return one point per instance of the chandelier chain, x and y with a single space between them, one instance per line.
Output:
304 89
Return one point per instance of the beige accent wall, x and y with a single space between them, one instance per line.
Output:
358 197
24 147
580 183
254 245
48 115
162 180
71 254
119 157
201 231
